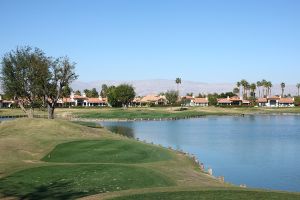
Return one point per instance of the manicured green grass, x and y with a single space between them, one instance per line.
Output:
107 151
138 114
213 195
71 181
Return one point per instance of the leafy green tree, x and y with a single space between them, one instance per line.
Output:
67 90
77 92
23 72
103 92
236 91
112 97
125 94
282 85
94 93
62 73
172 96
212 99
87 92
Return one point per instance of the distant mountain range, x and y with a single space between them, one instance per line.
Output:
155 86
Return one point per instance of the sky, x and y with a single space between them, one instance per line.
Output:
213 41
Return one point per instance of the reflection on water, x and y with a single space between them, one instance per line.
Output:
260 151
122 130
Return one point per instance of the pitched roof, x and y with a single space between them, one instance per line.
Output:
224 100
153 98
286 100
262 100
273 98
200 100
79 97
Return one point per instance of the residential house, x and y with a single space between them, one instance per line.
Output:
154 100
192 101
276 101
233 101
77 100
5 103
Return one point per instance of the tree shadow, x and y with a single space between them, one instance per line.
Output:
57 190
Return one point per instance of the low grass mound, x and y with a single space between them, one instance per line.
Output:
24 142
72 181
107 151
212 195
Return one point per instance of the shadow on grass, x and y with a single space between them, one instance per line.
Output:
57 190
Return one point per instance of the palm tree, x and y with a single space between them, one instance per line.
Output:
264 84
298 86
178 81
282 85
258 84
253 88
244 83
236 91
238 85
269 85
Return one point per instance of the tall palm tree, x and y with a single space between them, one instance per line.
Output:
264 85
258 84
298 86
253 88
178 81
269 88
244 83
238 85
282 85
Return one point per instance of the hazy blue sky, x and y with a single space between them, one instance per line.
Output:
207 41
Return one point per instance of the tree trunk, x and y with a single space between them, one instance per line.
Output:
50 111
28 113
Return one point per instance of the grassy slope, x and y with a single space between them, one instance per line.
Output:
24 142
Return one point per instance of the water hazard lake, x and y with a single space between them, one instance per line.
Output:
259 151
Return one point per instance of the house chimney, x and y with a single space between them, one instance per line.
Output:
228 97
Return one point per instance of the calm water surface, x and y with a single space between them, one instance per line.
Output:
259 151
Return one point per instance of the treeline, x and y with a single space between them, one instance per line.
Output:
29 76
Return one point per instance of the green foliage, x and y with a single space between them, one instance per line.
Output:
66 91
77 92
172 96
125 94
27 75
91 93
103 92
297 101
121 95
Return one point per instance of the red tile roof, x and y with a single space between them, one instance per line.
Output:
200 100
273 98
225 100
79 97
286 100
262 100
